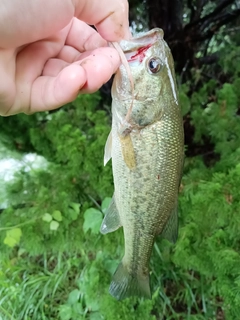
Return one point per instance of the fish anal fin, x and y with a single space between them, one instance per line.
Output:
108 149
125 285
170 231
111 221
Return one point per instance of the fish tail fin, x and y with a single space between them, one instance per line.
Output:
124 284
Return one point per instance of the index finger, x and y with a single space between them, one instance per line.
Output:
109 16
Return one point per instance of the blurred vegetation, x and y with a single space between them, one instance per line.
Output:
54 263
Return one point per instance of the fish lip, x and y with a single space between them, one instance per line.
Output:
143 39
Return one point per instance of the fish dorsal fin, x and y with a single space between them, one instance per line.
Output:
170 231
111 221
108 149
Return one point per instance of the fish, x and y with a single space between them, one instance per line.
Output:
146 145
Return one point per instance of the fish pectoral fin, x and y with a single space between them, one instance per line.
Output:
170 231
108 149
128 151
125 285
111 221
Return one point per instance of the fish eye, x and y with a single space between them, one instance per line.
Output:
154 65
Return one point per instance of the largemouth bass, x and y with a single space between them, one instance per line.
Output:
146 145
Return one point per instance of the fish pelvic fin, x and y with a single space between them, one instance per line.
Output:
108 149
111 221
125 285
170 231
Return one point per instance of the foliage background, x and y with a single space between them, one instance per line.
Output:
54 263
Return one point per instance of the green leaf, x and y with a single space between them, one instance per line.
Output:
92 302
47 217
73 211
111 265
77 308
21 251
75 206
73 296
54 225
72 214
57 215
11 242
105 203
95 316
184 103
92 220
65 312
13 237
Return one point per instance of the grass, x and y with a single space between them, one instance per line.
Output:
34 288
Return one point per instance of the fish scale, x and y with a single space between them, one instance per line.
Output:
147 160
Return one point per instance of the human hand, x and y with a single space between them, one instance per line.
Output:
49 54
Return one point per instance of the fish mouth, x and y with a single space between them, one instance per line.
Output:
135 49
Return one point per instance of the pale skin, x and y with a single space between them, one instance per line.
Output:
49 54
